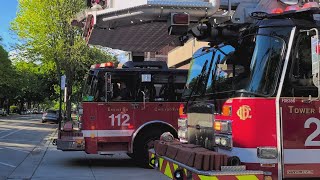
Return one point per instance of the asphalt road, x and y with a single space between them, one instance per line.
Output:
26 152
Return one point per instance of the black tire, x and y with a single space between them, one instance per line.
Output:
43 121
142 144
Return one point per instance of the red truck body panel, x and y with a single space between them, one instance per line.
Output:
114 123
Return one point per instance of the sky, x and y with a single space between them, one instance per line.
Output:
8 11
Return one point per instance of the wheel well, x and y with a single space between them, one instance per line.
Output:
154 126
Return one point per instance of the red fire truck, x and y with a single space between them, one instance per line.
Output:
256 100
126 109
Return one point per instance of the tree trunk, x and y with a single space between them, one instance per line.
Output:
8 106
21 105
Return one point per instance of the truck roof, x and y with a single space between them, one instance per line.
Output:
141 67
299 18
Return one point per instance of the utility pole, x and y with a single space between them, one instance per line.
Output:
62 87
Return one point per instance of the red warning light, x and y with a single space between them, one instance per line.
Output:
310 5
277 11
107 64
318 49
292 8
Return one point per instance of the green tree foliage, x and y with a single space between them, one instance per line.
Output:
45 26
7 83
35 84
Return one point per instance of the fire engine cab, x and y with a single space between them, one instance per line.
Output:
253 99
126 109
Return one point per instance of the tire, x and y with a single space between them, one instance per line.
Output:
142 144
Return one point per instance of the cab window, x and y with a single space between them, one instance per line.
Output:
300 78
164 87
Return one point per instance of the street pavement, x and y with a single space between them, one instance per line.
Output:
26 152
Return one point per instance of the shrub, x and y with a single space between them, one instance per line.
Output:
14 109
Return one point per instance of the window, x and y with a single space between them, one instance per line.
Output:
301 70
164 87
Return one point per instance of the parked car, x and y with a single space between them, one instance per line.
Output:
36 111
3 112
50 115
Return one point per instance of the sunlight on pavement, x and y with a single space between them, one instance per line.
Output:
8 144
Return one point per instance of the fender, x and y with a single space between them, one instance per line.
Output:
144 125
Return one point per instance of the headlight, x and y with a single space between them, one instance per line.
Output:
182 133
217 140
182 122
224 141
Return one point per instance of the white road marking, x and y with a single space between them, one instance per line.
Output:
8 164
11 133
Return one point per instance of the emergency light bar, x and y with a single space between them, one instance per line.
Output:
102 65
296 8
288 10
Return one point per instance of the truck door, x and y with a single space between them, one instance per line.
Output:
151 106
300 114
115 121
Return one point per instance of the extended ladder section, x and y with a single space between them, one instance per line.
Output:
150 25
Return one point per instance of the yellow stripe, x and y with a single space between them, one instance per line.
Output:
208 177
160 163
175 167
167 171
152 156
247 177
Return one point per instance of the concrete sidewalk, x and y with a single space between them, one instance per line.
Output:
49 163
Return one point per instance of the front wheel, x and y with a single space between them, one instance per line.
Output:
142 145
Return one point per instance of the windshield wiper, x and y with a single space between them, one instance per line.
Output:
252 93
195 87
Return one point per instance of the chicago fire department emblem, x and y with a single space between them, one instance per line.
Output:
244 112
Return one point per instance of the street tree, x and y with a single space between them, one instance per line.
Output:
7 82
34 83
45 26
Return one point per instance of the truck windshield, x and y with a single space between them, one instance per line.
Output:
89 88
261 57
199 69
202 68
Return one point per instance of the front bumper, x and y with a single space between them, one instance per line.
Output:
71 141
178 171
76 145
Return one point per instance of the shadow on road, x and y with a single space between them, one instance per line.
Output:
95 162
